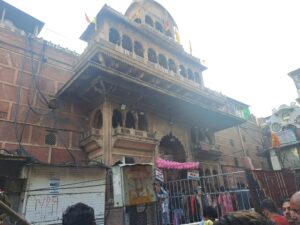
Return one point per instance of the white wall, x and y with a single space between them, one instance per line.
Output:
45 205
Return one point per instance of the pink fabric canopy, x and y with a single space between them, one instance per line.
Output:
167 164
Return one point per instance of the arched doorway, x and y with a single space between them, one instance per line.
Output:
170 148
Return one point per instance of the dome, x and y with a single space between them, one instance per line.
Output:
153 14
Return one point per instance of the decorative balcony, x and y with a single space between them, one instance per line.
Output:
91 141
134 139
207 151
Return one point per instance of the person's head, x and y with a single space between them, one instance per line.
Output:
79 214
268 207
243 218
295 207
210 212
286 209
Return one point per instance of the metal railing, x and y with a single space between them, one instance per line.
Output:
187 198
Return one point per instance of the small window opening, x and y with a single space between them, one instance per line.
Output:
149 21
50 139
142 122
172 65
162 61
138 20
98 120
197 78
129 160
158 27
138 49
114 36
130 120
127 43
190 75
182 71
152 57
116 118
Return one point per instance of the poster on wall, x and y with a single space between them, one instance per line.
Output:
193 174
54 186
138 184
159 175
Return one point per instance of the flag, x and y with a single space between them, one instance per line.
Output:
177 38
166 25
191 50
87 18
94 21
246 113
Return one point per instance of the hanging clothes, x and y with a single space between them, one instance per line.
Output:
225 202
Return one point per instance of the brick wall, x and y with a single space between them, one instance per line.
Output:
234 140
18 90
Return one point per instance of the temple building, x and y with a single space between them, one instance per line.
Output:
133 96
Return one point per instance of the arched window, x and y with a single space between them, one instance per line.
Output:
138 20
182 71
97 120
114 36
158 27
162 61
138 49
169 33
148 20
172 65
127 43
129 123
116 118
190 75
142 122
152 57
197 78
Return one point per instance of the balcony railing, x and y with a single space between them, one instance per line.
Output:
204 150
133 133
91 140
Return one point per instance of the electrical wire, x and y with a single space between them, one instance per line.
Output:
69 193
64 186
29 101
61 140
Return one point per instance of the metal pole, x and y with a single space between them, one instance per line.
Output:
242 142
9 211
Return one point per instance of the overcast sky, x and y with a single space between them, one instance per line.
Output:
249 45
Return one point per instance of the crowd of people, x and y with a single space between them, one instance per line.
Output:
81 214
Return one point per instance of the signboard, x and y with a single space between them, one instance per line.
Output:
159 175
193 174
138 184
54 186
